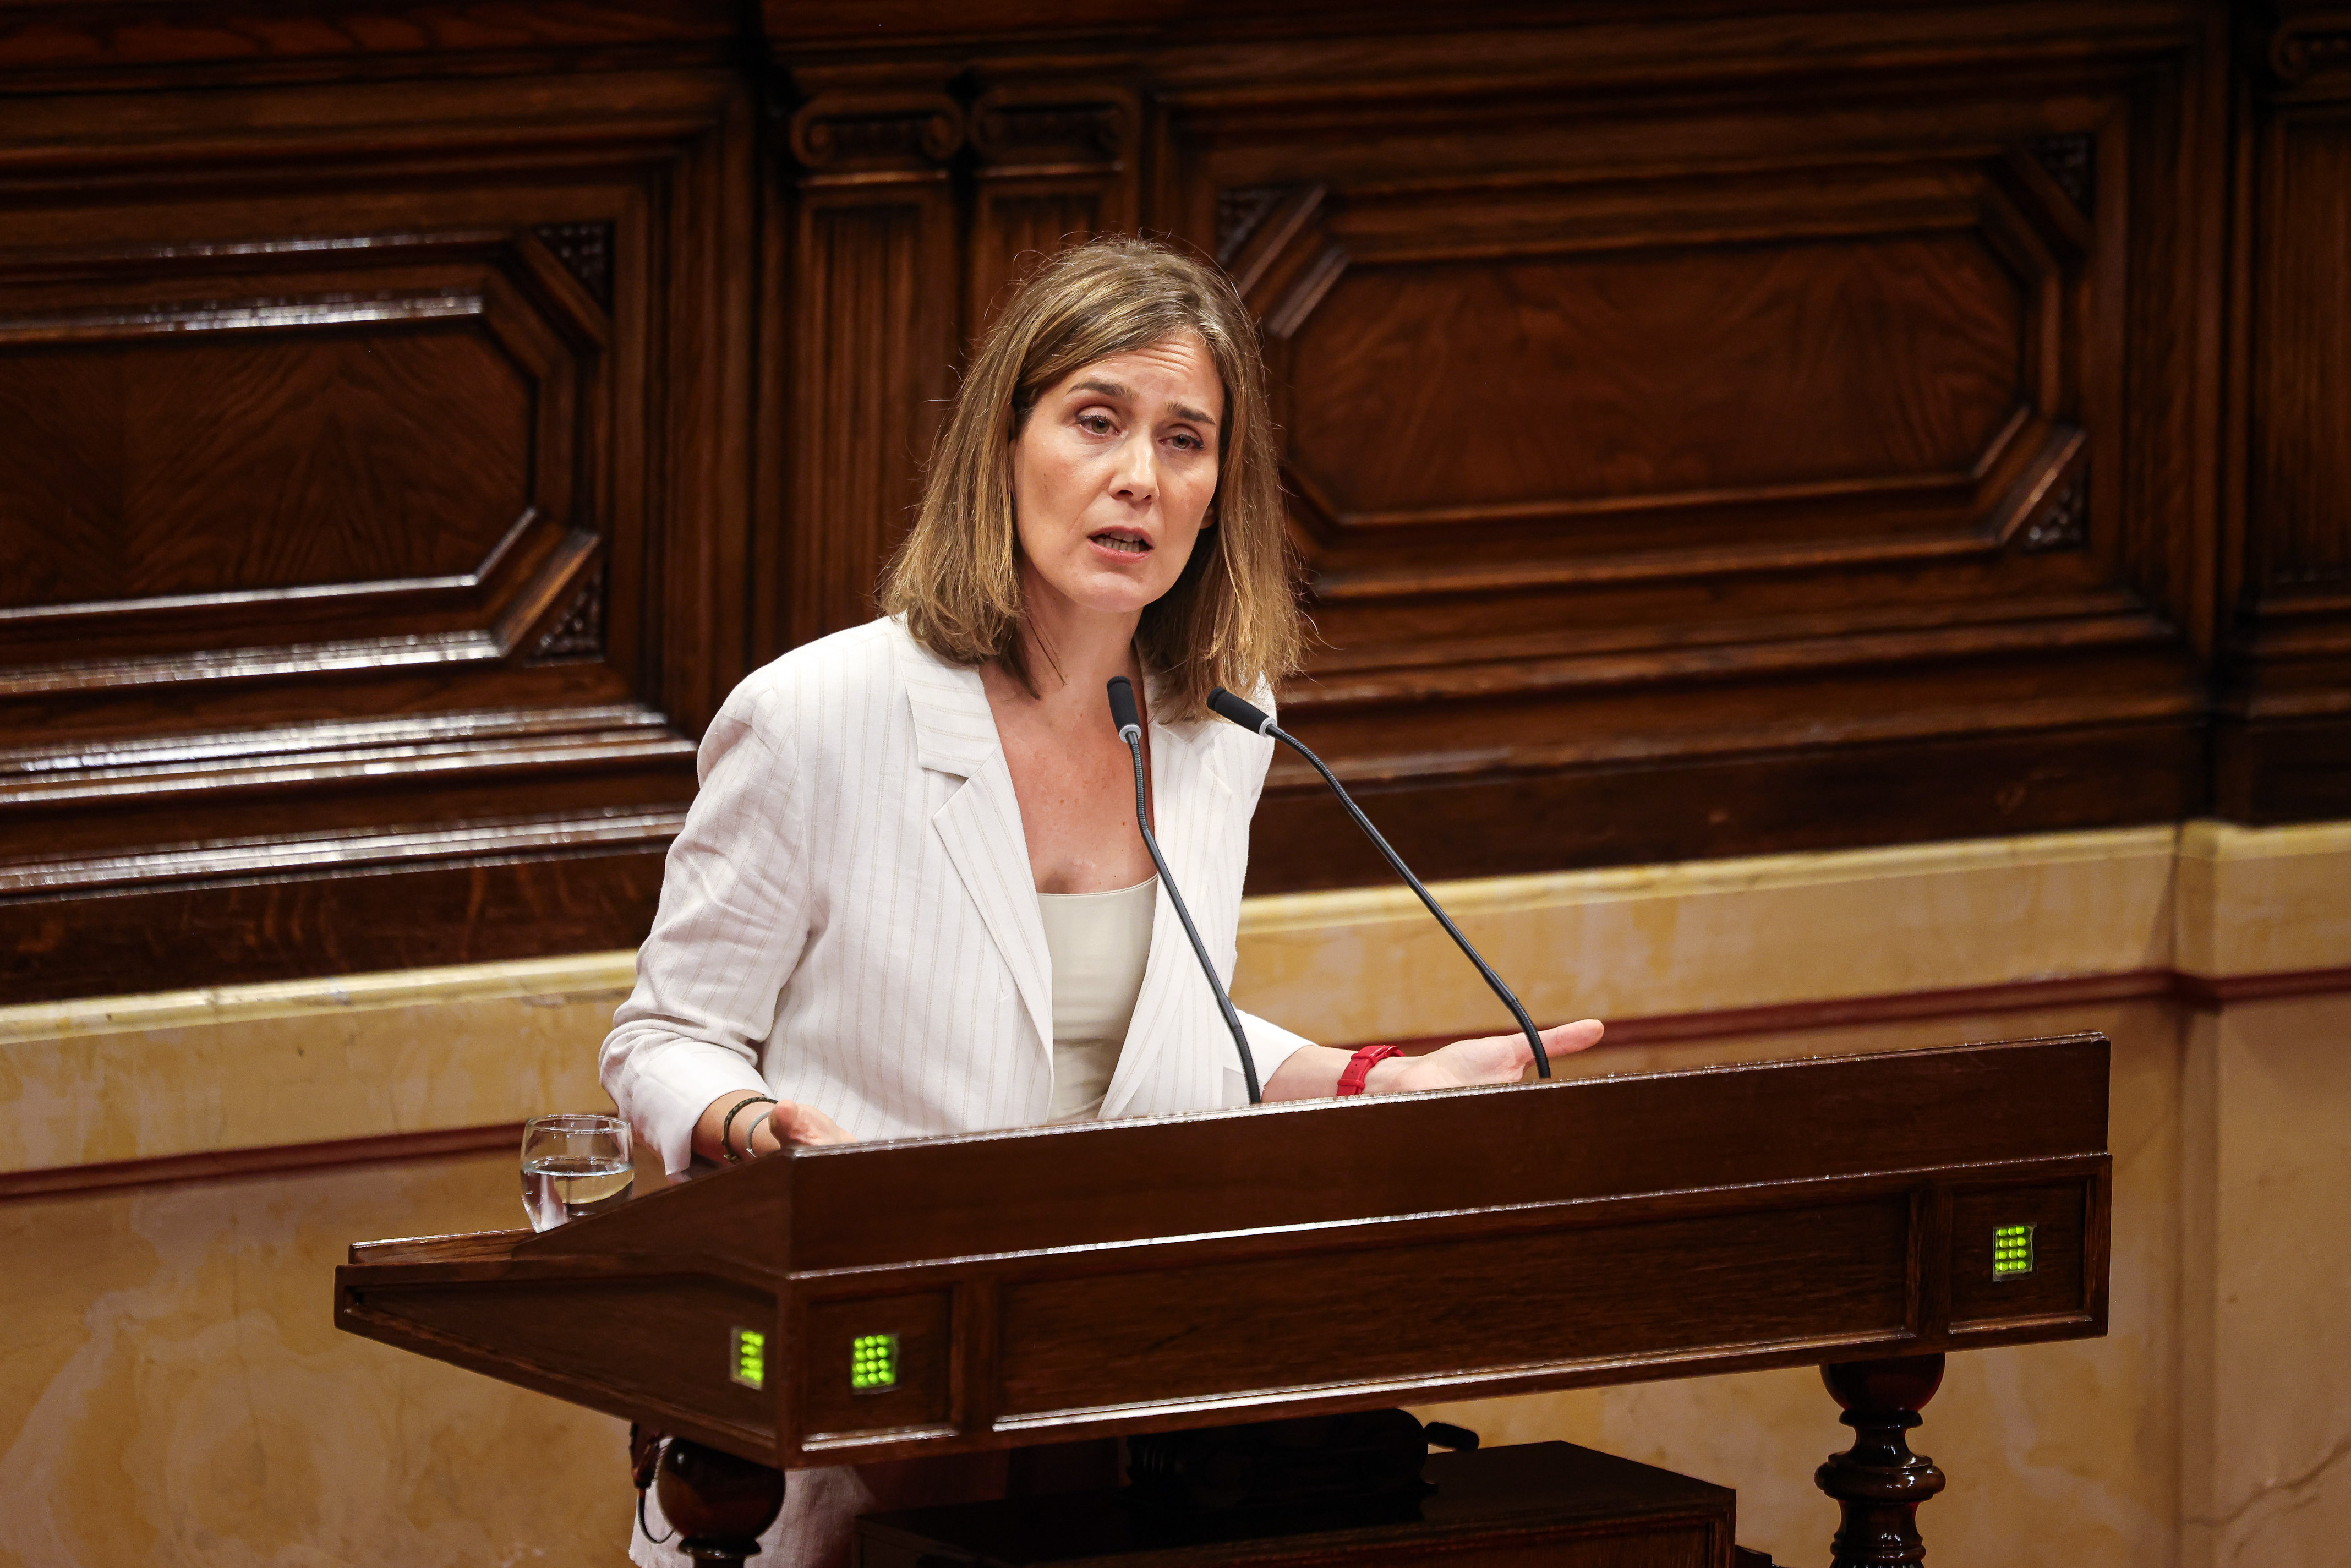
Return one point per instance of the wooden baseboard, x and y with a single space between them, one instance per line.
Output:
226 1165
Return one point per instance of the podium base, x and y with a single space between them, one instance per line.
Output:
1555 1503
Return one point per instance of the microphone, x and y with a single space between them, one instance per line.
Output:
1129 719
1245 715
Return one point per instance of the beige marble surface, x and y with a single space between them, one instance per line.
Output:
122 1078
174 1392
2208 898
2258 901
2266 1287
1642 941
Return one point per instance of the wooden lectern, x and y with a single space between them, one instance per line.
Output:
877 1300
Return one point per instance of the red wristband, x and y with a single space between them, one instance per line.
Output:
1359 1066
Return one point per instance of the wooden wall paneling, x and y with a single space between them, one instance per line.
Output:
2286 739
1055 161
339 489
113 45
1778 429
874 293
1664 461
710 199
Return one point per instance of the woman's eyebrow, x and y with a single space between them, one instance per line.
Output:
1126 394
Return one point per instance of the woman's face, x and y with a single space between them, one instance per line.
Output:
1113 472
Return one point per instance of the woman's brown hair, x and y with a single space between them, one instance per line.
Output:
1231 619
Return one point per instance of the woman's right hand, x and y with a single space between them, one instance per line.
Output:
791 1125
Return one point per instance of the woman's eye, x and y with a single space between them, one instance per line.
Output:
1097 423
1189 442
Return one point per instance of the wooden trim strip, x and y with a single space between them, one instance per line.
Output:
2190 990
2212 992
228 1164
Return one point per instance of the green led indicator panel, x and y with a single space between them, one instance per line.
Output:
873 1363
2012 1252
750 1360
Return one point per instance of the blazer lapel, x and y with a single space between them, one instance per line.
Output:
1174 1003
979 826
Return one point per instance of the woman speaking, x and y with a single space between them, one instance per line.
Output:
911 898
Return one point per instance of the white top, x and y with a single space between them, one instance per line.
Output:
1097 944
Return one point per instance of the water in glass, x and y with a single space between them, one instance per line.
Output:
572 1167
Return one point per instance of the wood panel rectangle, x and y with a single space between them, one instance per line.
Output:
2058 1283
1715 1282
336 521
920 1395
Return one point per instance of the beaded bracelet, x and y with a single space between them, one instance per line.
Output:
727 1128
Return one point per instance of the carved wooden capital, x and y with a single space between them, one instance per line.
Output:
857 133
2311 46
1017 126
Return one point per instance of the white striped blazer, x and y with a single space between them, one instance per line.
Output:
848 919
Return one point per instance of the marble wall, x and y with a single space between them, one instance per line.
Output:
172 1390
175 1390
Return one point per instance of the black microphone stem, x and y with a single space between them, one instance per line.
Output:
1132 733
1534 1036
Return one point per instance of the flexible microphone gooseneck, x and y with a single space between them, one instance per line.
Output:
1129 719
1249 717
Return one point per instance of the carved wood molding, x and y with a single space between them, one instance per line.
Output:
839 135
581 633
258 40
423 567
2311 47
2070 161
1293 248
586 252
1030 128
1239 213
2063 521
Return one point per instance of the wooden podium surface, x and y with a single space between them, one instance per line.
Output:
1118 1277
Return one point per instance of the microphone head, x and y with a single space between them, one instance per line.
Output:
1226 705
1122 711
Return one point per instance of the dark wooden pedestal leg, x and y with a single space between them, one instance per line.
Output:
718 1503
1879 1482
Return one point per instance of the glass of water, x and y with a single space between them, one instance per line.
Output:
574 1165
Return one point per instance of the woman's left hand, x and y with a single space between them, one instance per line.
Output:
1492 1059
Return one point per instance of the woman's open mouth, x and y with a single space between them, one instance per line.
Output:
1121 543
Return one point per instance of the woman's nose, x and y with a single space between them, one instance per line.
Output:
1137 478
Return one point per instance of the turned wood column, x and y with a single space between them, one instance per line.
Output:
718 1503
1879 1482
